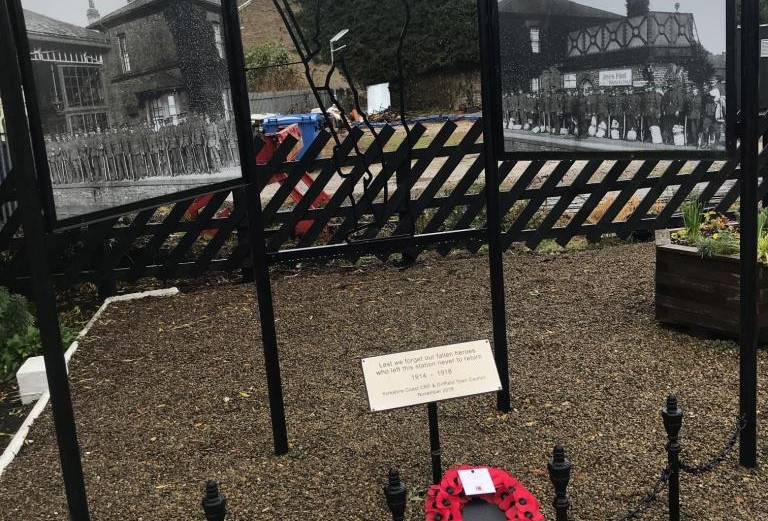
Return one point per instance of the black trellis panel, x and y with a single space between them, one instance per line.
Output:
554 192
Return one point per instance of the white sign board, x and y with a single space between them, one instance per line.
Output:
616 78
476 482
764 48
430 375
378 98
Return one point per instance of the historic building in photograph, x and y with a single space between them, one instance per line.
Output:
167 61
570 69
68 65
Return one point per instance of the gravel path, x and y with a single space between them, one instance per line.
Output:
170 392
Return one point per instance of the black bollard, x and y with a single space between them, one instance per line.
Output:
673 421
214 504
560 475
396 494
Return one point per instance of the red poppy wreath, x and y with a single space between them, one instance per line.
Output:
446 501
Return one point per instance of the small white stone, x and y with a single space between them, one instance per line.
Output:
31 379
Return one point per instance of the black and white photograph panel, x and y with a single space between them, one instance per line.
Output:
613 76
134 99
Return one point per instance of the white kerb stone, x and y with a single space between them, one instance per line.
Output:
31 379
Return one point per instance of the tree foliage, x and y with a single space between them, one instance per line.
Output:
204 71
268 67
699 66
638 7
442 36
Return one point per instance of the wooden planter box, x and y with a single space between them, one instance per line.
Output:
702 294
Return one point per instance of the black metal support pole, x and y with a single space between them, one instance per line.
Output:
673 421
24 174
397 494
750 66
214 504
560 475
435 451
256 235
489 28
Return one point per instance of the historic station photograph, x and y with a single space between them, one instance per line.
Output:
613 75
134 103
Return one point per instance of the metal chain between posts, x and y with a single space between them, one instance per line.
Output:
709 466
636 511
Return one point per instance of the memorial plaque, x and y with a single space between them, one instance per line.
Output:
430 375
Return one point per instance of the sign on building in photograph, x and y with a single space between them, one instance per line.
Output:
616 78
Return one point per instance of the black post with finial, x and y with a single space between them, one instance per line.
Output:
560 475
214 504
396 494
673 421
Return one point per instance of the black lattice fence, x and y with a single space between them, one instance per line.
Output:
383 203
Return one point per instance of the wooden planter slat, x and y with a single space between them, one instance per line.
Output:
702 294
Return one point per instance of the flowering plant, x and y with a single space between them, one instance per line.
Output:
446 500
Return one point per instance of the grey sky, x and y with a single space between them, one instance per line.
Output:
709 16
72 11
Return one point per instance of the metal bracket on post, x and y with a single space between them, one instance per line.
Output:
673 422
436 453
214 504
560 475
396 493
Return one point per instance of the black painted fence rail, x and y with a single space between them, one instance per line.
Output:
443 191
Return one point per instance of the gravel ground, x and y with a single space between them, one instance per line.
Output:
170 392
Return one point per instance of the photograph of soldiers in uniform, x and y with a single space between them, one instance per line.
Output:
134 100
613 75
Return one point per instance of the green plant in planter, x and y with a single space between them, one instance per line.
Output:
693 218
724 242
762 236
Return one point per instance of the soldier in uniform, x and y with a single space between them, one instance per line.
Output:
652 109
603 108
710 122
617 111
631 111
514 107
577 113
212 145
506 107
671 108
560 109
693 113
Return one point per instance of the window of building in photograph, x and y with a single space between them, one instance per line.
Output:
82 86
535 40
218 39
226 99
125 61
535 85
91 122
569 81
156 112
173 112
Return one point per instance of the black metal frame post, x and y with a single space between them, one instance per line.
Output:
750 67
256 234
24 174
489 26
435 452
